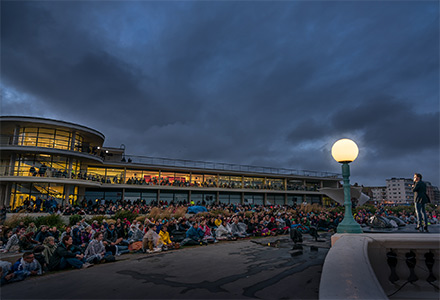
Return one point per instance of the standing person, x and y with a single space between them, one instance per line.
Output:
420 200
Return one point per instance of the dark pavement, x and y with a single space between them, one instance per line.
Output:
228 270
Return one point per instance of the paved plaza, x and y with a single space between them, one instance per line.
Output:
242 269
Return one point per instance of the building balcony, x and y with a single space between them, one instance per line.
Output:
8 149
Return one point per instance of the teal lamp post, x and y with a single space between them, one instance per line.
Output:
345 151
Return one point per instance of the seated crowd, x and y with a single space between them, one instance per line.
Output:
82 245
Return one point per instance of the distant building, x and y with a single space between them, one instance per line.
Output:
66 162
399 191
378 194
433 193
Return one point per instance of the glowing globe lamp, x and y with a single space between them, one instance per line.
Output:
346 151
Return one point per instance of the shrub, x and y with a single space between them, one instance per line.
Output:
166 214
74 219
98 218
51 220
248 214
179 212
154 213
141 219
125 214
16 219
204 214
109 221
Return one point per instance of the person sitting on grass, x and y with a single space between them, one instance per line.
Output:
165 239
136 234
13 244
207 232
38 254
113 241
63 257
67 232
194 236
151 240
44 233
49 248
53 231
95 252
222 232
238 229
6 274
27 266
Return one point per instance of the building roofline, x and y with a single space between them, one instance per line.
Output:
50 122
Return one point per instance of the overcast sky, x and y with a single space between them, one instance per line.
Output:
259 83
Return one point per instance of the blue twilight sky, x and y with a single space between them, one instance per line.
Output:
260 83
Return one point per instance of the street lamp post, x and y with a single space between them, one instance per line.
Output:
345 151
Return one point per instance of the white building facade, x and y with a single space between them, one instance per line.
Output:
379 194
399 190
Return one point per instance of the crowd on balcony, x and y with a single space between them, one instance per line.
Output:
45 171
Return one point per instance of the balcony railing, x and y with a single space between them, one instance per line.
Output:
50 143
193 164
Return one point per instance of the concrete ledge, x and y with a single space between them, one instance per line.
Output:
356 267
347 273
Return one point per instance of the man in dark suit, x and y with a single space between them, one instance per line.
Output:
420 199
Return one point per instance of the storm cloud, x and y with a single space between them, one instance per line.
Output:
260 83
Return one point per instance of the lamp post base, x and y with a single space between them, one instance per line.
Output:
349 227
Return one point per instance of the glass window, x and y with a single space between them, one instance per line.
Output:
78 145
133 177
256 199
28 137
113 195
132 196
295 184
4 168
235 199
59 167
210 180
166 196
46 131
312 186
235 182
197 198
151 177
230 198
76 167
180 197
149 196
181 179
45 142
73 195
94 195
167 178
115 176
253 182
95 174
196 179
275 184
223 182
20 193
223 198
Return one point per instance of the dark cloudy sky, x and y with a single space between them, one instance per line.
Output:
260 83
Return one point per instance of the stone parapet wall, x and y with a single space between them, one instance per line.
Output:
356 266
